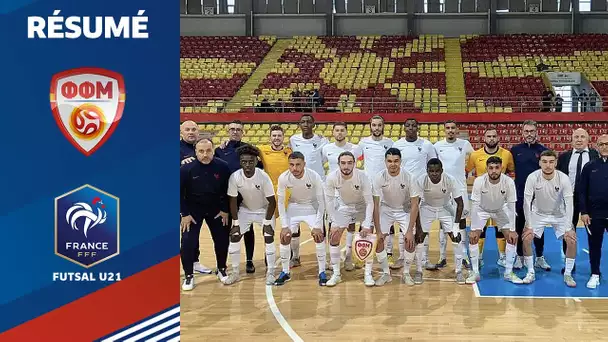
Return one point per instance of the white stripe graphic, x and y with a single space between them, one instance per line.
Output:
175 339
163 335
154 329
142 325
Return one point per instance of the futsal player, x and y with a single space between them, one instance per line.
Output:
493 197
258 206
331 151
354 193
393 192
306 203
374 148
548 201
478 162
438 192
415 153
454 154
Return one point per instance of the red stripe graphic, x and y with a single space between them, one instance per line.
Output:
107 310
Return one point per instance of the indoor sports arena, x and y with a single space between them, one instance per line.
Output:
300 79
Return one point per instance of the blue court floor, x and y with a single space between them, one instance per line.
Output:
548 284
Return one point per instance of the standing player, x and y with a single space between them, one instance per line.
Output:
393 192
548 200
354 192
374 148
306 204
438 193
331 151
478 162
493 197
415 154
258 206
310 144
454 154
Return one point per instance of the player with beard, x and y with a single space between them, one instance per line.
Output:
374 149
331 151
478 162
354 194
415 154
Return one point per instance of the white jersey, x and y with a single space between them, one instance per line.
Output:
305 196
415 154
437 195
312 149
395 192
254 190
548 197
453 157
331 152
373 154
493 197
353 193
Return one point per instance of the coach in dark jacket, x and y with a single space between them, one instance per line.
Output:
571 163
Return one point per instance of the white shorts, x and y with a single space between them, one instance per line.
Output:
246 218
345 216
466 211
538 222
429 214
294 222
501 218
389 216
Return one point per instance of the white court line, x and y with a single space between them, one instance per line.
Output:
476 290
576 299
543 297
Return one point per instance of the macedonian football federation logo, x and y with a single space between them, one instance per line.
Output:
87 104
87 226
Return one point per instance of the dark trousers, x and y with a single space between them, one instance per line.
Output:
597 228
520 222
189 250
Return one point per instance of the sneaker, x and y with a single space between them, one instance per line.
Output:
407 279
334 280
368 280
466 264
569 281
593 282
529 278
348 265
512 278
397 264
519 263
430 266
222 275
270 279
202 269
295 262
250 268
442 263
232 278
322 279
501 261
418 278
542 264
188 284
385 278
460 278
573 269
282 279
472 278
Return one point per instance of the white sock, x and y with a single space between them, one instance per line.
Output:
569 266
383 261
457 255
234 250
474 250
349 245
443 244
321 257
285 250
409 259
420 259
401 245
510 254
295 246
529 262
463 243
426 248
388 243
271 257
334 252
369 263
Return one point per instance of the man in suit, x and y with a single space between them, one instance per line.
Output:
571 162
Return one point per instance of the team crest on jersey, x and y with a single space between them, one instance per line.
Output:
308 185
444 190
314 145
460 149
258 187
402 186
356 187
385 147
503 192
556 188
419 149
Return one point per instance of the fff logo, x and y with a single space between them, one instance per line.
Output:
87 226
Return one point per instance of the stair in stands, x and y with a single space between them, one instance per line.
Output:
454 77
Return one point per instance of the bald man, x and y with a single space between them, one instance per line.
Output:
571 162
189 136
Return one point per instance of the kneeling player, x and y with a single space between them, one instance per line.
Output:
393 192
354 192
439 191
306 204
258 206
548 201
493 197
